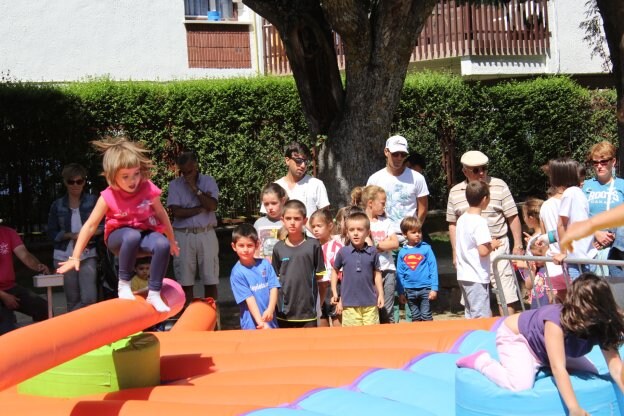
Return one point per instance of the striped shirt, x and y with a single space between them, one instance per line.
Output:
501 206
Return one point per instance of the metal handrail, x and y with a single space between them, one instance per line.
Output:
513 257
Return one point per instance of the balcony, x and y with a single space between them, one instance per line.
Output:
514 28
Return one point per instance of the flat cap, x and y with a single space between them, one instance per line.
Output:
474 158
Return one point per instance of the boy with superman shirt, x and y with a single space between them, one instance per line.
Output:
417 272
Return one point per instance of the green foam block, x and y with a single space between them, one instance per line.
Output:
130 362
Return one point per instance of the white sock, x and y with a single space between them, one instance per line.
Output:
124 290
154 299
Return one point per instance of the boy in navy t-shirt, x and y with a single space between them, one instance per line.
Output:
253 281
361 290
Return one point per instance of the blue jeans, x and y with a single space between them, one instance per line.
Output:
418 302
575 270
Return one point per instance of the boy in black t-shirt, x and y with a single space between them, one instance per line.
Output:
298 263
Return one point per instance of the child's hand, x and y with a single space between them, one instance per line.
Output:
496 243
558 258
402 299
433 295
267 316
527 237
578 412
380 301
174 248
521 264
263 325
338 306
68 265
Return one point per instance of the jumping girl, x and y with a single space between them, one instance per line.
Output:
135 218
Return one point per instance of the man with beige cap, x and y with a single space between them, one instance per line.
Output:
501 214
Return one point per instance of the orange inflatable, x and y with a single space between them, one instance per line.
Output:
216 373
43 345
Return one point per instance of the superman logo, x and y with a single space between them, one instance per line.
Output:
413 260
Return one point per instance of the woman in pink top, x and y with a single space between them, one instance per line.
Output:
135 218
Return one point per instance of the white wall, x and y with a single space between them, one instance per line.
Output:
68 40
570 54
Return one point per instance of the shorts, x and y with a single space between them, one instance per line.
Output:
360 315
327 309
198 252
505 272
476 299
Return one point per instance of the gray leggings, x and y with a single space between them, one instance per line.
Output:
129 243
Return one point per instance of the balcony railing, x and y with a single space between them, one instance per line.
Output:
512 28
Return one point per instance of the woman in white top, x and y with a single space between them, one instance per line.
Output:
564 177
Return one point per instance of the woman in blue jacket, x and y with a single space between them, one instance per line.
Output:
67 214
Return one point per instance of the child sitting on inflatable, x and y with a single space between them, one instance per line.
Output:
135 218
557 336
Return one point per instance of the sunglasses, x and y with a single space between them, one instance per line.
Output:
478 169
299 161
75 182
602 162
399 154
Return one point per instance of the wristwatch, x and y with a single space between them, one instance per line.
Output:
199 192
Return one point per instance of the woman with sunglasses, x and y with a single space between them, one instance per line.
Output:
67 214
604 191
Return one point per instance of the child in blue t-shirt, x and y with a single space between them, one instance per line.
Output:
417 272
253 281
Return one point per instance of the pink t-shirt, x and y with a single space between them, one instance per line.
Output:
330 249
132 210
9 241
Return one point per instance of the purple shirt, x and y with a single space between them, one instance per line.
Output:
531 325
181 195
358 278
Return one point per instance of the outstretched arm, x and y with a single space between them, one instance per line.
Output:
86 232
607 219
614 362
553 336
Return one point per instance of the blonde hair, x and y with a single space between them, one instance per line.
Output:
603 148
121 153
370 193
356 195
531 207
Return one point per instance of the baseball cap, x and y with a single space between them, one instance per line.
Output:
397 144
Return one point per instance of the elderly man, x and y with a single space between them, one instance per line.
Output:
192 200
501 213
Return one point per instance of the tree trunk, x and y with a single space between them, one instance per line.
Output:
379 37
612 12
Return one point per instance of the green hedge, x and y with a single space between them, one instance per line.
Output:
238 128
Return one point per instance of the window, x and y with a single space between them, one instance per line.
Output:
217 10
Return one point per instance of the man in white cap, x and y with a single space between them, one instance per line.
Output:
501 214
406 190
406 195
